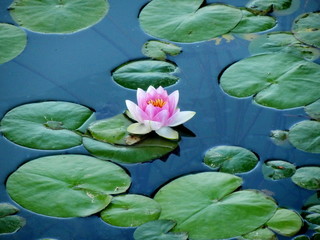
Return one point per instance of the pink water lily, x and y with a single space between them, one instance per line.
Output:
156 111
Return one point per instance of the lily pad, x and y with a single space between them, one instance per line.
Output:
261 234
146 150
7 209
301 237
313 110
159 49
269 5
251 23
306 28
230 159
131 210
45 125
278 169
282 42
276 80
307 177
158 230
144 73
305 136
58 16
313 218
66 185
279 137
314 209
10 223
13 40
204 196
285 222
187 20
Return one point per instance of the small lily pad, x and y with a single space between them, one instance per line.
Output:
279 137
66 185
301 237
307 177
285 222
158 230
230 159
45 125
278 169
131 211
261 234
305 136
306 28
58 16
10 223
313 110
314 209
13 40
159 49
269 5
145 73
313 218
7 209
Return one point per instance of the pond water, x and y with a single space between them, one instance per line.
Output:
77 68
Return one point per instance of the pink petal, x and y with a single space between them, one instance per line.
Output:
173 101
151 111
132 109
162 117
180 118
141 98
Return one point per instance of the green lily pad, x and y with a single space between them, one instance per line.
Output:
314 209
307 177
13 40
261 234
285 222
282 42
146 150
313 110
306 28
207 206
10 223
305 136
313 218
276 80
143 73
66 185
187 20
45 125
58 16
7 209
269 5
159 49
230 159
301 237
279 137
158 230
278 169
131 210
251 23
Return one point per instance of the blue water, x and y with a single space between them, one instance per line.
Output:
76 68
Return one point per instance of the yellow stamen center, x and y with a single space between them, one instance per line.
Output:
157 103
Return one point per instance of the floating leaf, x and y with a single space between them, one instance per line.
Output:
279 137
313 110
285 222
10 223
282 42
204 196
305 136
277 80
230 159
261 234
301 237
315 209
66 185
159 49
306 28
158 230
307 177
131 210
251 23
313 218
13 40
269 5
45 125
58 16
143 73
7 209
278 169
187 21
146 150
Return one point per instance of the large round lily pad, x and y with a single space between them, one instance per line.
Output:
58 16
143 73
45 125
305 136
131 210
66 185
307 177
306 28
278 169
276 80
205 206
187 21
12 42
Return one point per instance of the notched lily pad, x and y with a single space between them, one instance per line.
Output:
45 125
10 223
313 110
230 159
278 169
143 73
66 185
58 16
13 40
159 49
307 177
269 5
131 210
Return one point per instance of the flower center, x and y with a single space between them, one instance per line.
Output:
157 102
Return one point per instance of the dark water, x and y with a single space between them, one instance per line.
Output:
76 68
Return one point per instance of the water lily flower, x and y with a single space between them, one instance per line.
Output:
156 111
